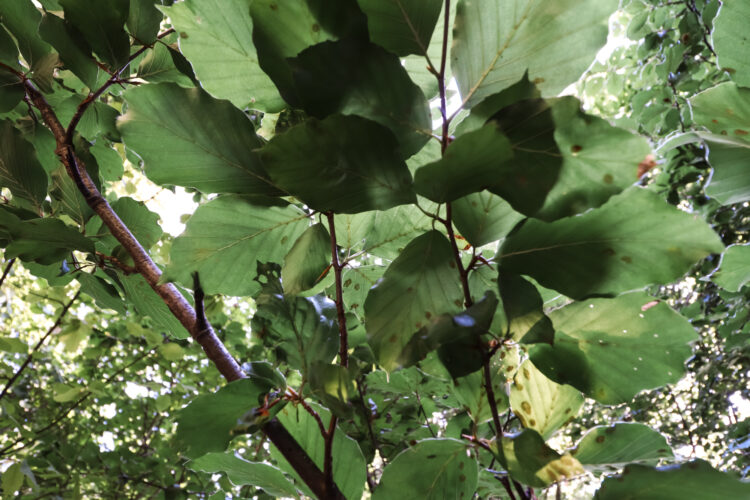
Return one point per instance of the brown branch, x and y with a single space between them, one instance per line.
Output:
491 396
117 263
39 344
180 308
7 270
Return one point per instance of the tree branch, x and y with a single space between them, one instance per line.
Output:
7 270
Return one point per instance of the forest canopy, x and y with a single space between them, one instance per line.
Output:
374 249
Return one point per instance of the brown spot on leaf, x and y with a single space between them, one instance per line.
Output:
608 179
526 374
392 338
609 252
600 439
626 259
538 80
739 131
519 386
428 315
644 166
526 407
532 422
576 148
274 6
461 478
356 286
460 466
315 28
183 34
431 456
347 282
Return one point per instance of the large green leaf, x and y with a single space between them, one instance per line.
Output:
495 43
148 303
734 271
343 163
402 26
633 240
364 80
226 237
484 217
696 480
74 52
610 349
431 469
540 403
241 472
206 424
102 25
308 259
22 20
608 448
349 469
472 163
725 111
217 37
419 284
524 310
282 30
20 170
599 160
731 42
144 20
300 330
531 461
188 138
45 241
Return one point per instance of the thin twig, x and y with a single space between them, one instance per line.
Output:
39 344
7 270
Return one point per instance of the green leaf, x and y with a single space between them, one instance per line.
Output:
300 330
402 26
484 217
13 345
217 38
364 80
524 310
419 284
67 199
530 461
343 164
457 338
12 480
696 480
633 240
101 24
496 43
471 392
282 30
431 469
73 50
731 42
334 386
725 111
226 237
734 271
22 20
45 241
599 160
611 349
8 49
20 170
206 424
308 259
106 295
609 448
188 138
11 91
241 472
473 162
349 469
148 303
540 403
172 352
144 20
165 64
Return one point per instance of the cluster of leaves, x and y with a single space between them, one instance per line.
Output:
417 311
